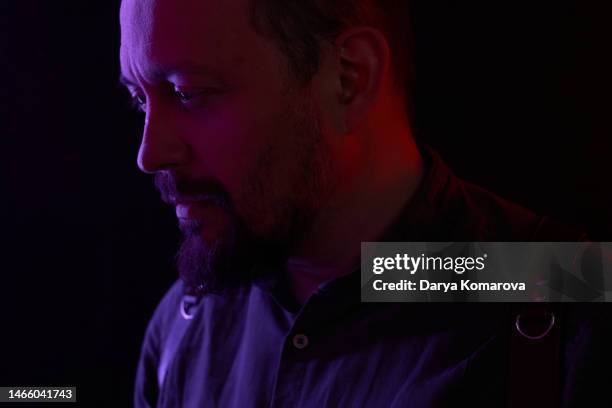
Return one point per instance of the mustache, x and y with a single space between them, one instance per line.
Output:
174 190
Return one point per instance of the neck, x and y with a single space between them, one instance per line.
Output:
380 182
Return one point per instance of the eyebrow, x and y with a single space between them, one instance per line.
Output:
181 68
123 80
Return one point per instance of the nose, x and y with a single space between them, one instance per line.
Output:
162 147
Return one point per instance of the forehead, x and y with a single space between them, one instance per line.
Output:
156 34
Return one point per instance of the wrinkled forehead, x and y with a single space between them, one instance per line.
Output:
136 20
165 32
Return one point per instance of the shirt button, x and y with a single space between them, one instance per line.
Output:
300 341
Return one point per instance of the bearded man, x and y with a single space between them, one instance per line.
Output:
281 133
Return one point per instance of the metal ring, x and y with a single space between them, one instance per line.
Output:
538 337
187 303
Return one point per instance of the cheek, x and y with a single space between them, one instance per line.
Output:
235 143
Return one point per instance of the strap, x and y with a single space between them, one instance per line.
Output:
535 357
534 376
175 335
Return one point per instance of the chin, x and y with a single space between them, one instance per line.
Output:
208 234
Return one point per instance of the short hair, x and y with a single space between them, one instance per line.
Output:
299 26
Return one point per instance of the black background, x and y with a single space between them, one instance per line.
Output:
514 94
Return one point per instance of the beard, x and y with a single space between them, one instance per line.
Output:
247 251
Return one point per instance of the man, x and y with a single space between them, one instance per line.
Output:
280 132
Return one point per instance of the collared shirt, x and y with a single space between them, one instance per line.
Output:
250 348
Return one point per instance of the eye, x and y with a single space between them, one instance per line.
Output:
139 102
194 98
184 96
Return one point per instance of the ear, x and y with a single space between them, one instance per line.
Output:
363 63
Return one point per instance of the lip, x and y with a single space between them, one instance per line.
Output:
191 210
182 211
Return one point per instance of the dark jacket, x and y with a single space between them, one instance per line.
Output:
246 349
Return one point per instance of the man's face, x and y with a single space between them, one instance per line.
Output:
235 143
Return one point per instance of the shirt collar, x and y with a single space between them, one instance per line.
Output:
414 223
